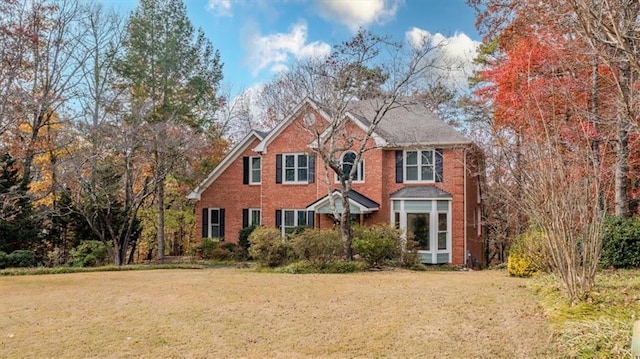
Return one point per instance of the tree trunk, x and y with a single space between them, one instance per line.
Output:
160 234
345 227
622 147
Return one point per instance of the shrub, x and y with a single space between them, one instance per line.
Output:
377 244
268 248
208 247
318 247
4 260
337 266
243 236
21 258
526 254
621 243
55 258
89 254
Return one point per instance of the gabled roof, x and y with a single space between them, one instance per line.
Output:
226 162
275 132
357 201
422 192
408 124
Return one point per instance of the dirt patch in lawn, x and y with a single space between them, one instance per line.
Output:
240 313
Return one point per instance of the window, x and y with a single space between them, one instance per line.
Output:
256 170
293 218
295 168
215 223
254 217
419 166
428 223
347 160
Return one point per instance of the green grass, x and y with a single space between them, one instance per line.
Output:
599 327
109 268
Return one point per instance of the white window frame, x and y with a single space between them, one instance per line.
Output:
252 212
296 168
360 172
211 223
420 165
252 179
296 219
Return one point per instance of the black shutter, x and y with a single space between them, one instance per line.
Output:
245 170
311 164
205 222
311 218
245 217
222 223
439 170
278 218
278 168
399 168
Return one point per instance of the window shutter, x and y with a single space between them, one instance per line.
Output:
311 164
222 223
278 218
205 222
399 169
439 166
245 217
278 168
245 170
311 218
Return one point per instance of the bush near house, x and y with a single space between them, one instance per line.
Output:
317 247
21 258
268 248
621 243
377 244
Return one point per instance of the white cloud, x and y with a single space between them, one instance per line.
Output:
358 13
274 51
451 57
220 7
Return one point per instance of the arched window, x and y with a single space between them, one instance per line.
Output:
347 160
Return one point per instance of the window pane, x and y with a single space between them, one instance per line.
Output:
302 161
290 175
427 157
215 216
443 205
302 174
442 221
418 226
255 176
349 157
427 173
302 218
346 169
255 217
412 173
442 240
289 218
412 158
289 161
215 231
255 163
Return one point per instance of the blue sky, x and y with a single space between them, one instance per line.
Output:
259 38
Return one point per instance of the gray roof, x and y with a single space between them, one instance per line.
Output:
421 192
408 125
353 195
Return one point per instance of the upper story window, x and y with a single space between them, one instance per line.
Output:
295 168
256 170
251 170
420 165
348 159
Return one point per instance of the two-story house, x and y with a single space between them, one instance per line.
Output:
419 174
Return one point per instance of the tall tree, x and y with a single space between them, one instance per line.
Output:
173 73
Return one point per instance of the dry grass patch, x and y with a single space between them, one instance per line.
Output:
242 313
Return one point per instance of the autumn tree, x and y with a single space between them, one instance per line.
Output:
173 72
368 75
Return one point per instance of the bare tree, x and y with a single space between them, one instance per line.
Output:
367 76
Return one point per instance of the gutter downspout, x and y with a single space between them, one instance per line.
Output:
466 256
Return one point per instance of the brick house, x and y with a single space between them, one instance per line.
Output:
418 174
